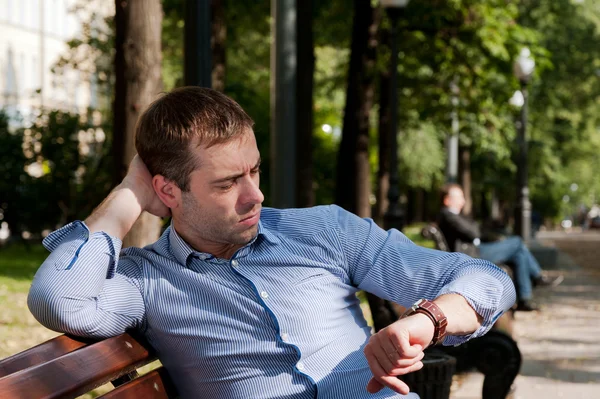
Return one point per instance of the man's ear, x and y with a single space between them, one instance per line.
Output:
168 192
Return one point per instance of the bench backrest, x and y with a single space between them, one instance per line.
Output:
67 367
432 232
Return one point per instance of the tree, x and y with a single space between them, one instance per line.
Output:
137 83
353 187
305 196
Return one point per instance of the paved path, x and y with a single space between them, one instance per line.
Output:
560 344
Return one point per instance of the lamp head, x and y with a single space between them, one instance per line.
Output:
517 99
524 65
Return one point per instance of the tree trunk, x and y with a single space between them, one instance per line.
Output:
138 82
218 39
383 173
353 183
305 195
465 168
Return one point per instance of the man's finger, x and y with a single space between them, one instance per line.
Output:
378 352
404 347
410 369
400 365
382 378
389 348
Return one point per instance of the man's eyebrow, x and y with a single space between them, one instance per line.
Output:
236 176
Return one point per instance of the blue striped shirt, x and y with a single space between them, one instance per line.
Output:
278 320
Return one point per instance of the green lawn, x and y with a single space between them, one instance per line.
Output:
19 330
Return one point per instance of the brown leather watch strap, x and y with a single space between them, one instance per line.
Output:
435 314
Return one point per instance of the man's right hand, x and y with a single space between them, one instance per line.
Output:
119 211
139 180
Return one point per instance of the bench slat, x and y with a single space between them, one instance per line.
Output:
41 353
156 385
79 371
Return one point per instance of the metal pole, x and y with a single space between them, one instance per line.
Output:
523 221
394 217
197 67
452 166
283 104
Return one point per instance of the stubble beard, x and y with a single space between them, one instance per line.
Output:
212 228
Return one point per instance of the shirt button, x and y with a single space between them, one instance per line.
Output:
300 366
264 294
285 337
234 263
203 256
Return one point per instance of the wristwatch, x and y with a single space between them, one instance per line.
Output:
434 313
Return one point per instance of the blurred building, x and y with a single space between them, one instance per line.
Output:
33 36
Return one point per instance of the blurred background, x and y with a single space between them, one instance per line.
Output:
373 105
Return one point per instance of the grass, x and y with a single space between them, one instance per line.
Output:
18 328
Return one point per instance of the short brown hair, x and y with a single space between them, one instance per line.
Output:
187 116
446 190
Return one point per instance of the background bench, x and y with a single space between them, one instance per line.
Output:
496 354
67 367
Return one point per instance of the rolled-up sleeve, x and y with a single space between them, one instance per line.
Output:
389 265
84 288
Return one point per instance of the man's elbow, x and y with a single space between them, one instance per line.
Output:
62 314
509 293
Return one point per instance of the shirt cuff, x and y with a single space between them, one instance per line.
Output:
494 303
73 237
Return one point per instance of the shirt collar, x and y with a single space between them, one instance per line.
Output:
182 250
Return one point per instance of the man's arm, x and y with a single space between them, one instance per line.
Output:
398 349
79 289
472 293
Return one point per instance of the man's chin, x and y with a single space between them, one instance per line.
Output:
246 236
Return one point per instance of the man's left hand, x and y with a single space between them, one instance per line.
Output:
398 350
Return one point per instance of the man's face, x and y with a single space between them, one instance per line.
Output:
224 202
455 199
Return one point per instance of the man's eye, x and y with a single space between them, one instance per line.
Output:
227 187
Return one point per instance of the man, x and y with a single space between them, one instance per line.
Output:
241 301
458 229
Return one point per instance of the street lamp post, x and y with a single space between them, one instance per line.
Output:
523 69
452 164
394 216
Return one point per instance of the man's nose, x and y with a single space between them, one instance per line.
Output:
252 193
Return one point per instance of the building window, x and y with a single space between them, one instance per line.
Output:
9 11
34 14
21 5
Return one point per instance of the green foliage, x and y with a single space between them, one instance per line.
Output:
53 171
472 43
423 157
12 172
564 103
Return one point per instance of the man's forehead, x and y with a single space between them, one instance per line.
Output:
234 155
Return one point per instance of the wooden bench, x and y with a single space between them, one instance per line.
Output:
496 354
67 367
